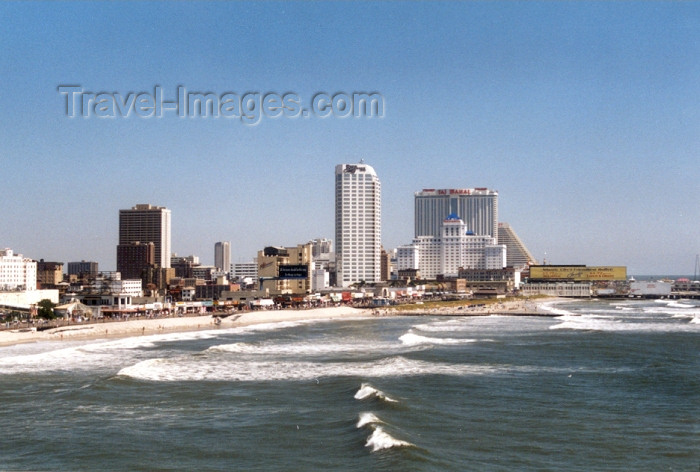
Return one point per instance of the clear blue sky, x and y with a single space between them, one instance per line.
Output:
584 116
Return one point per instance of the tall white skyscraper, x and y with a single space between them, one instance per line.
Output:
477 207
357 224
146 223
222 256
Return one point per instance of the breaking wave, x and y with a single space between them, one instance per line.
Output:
367 391
367 418
412 339
380 440
198 368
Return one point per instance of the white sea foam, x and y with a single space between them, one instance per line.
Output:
82 355
551 308
413 339
196 368
367 391
380 439
591 323
367 418
304 348
445 326
675 304
274 326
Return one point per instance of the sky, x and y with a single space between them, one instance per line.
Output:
584 116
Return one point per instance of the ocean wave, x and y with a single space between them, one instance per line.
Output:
589 323
549 307
59 359
444 326
380 440
675 304
367 418
202 368
303 348
274 326
367 391
412 339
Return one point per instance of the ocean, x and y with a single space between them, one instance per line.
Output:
600 386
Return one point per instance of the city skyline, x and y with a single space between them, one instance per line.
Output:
583 116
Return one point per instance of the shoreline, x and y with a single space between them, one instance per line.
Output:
142 327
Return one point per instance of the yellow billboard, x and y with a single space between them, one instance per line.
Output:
578 273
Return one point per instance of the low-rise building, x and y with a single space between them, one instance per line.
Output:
558 289
49 274
286 270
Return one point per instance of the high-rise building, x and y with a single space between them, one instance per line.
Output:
147 224
133 259
357 224
222 256
477 207
517 254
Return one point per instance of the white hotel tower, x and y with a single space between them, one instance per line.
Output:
357 224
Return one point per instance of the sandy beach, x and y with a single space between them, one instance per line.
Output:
163 325
138 327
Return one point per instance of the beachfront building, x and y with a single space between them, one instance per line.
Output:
477 207
147 223
456 248
557 289
286 270
357 224
323 261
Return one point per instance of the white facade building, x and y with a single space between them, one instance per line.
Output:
16 271
456 248
357 224
407 257
131 287
477 207
242 270
320 279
